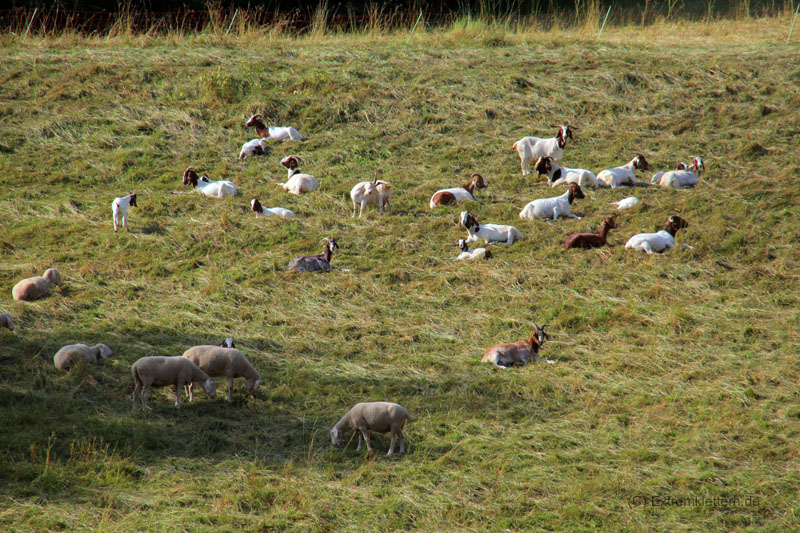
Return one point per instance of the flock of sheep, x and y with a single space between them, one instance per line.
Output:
200 364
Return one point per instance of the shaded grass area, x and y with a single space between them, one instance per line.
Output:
675 375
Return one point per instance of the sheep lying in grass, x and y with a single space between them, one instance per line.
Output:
158 371
6 321
517 353
70 355
219 361
37 287
372 416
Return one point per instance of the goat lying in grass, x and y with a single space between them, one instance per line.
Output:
517 353
273 133
490 233
315 263
626 174
552 208
660 241
467 254
456 195
591 240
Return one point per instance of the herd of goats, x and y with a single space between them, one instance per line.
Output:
200 364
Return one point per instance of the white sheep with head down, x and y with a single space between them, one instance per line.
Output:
159 371
217 361
364 417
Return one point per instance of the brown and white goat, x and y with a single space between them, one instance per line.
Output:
274 133
591 240
518 353
456 195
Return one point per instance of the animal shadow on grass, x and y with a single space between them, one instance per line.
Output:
153 229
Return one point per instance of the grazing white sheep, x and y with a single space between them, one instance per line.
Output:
274 133
375 192
253 147
315 263
297 183
119 207
6 321
531 148
552 208
71 354
467 254
456 195
219 361
490 233
517 353
682 177
364 417
214 189
660 241
626 203
159 371
558 175
260 211
626 174
37 287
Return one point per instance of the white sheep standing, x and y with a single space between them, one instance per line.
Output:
70 355
119 207
6 321
375 192
36 287
253 147
159 371
298 183
373 416
552 208
531 148
626 174
558 175
261 211
219 361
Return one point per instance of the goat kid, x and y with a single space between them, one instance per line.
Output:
490 233
214 189
591 240
467 254
558 175
518 353
253 147
119 208
531 148
457 195
260 211
553 207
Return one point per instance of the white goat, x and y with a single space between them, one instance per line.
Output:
531 148
260 211
682 177
490 233
119 207
214 189
467 254
660 241
456 195
558 175
375 192
297 183
552 208
253 147
625 175
626 203
275 133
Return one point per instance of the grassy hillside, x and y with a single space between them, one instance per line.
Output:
676 375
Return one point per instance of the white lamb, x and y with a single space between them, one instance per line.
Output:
375 192
626 174
531 148
214 189
682 178
558 175
660 241
158 371
253 147
71 354
6 321
219 361
297 183
37 287
490 233
260 211
372 416
552 208
119 207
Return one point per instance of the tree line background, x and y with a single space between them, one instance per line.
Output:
478 7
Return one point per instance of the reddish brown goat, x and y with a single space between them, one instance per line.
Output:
591 240
518 353
261 130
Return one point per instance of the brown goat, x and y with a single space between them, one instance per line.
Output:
517 353
457 195
591 240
